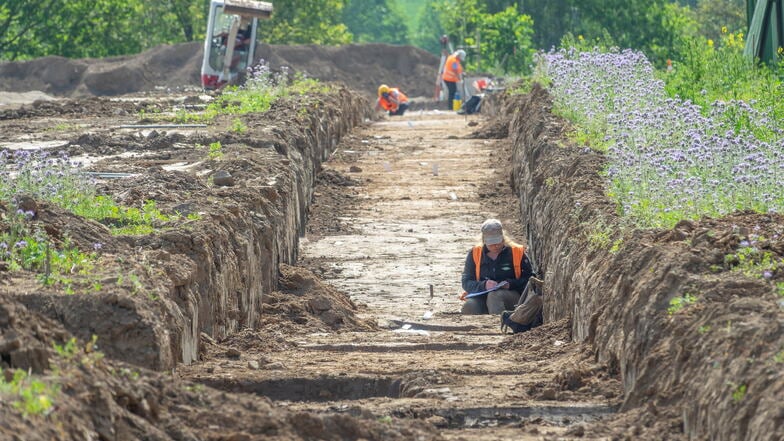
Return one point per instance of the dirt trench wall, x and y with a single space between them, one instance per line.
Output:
236 261
716 361
209 276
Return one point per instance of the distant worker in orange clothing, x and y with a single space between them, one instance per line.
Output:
392 100
453 73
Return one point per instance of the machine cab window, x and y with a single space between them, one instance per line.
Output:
230 41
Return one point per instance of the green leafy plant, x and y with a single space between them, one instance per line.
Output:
129 221
33 397
69 349
237 126
592 138
216 151
616 246
25 246
600 237
262 88
386 419
739 393
753 262
678 303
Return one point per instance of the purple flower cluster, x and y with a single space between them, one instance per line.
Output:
669 159
43 175
262 77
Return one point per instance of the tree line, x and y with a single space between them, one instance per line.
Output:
499 35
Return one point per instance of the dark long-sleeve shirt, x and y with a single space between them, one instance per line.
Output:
500 269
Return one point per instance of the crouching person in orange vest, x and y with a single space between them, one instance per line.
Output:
495 272
392 100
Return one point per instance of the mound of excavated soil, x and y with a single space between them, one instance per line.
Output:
361 67
98 398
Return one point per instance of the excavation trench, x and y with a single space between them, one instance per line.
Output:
396 209
323 274
396 246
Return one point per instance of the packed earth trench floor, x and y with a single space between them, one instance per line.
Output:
423 188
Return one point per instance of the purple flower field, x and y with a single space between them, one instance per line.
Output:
45 175
669 159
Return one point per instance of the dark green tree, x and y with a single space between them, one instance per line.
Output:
19 21
94 28
715 15
375 21
429 31
552 20
505 41
495 42
305 22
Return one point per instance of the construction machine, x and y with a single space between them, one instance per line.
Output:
230 41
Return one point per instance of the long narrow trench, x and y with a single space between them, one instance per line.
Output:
424 187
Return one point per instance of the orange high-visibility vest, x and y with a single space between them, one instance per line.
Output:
452 69
517 259
388 104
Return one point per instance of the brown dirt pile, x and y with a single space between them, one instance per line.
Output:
96 398
304 303
177 68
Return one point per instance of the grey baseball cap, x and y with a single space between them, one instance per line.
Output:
492 232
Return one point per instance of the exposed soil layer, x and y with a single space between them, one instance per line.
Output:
178 67
715 357
312 291
206 269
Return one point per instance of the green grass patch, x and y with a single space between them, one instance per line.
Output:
129 221
256 95
29 395
215 151
753 262
679 303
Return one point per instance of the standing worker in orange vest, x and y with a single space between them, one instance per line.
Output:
500 265
392 100
453 73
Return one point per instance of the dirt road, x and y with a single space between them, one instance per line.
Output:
415 189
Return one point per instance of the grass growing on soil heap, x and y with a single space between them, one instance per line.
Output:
26 177
262 88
